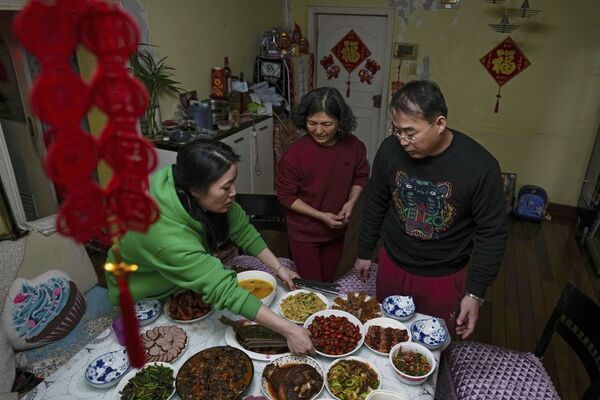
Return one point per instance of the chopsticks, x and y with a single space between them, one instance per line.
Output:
325 287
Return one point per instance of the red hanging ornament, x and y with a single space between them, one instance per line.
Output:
351 51
60 98
504 62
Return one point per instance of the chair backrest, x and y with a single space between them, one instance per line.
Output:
575 319
264 211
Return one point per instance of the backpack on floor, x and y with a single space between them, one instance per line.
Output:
532 202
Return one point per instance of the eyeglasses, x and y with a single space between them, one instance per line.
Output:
409 137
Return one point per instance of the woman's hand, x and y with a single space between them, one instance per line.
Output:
298 340
287 275
331 220
346 212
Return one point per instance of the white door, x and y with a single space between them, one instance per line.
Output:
329 26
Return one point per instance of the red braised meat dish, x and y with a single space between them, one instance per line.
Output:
293 381
217 373
188 305
383 339
360 305
334 335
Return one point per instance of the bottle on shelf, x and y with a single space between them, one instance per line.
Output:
227 75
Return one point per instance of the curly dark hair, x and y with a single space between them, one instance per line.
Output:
329 101
420 98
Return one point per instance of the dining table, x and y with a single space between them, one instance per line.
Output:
68 382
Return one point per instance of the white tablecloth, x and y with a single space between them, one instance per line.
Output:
68 381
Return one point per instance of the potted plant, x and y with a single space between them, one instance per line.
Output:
156 76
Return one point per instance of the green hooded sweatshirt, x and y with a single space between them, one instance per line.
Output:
172 256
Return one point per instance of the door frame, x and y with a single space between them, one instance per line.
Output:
390 14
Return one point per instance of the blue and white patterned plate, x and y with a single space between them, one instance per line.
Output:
430 332
106 370
399 307
147 310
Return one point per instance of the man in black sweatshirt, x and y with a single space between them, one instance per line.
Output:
435 197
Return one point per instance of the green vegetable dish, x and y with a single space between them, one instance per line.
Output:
352 380
154 382
412 363
301 306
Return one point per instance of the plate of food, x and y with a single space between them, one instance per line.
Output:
107 369
298 376
360 305
215 373
164 343
147 310
381 334
335 333
250 329
352 378
187 307
154 381
296 306
261 284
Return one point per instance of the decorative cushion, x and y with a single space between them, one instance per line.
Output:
251 262
480 371
42 310
7 364
349 282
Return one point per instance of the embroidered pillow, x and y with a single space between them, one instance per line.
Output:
41 310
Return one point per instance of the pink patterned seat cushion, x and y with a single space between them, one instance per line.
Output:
480 371
347 283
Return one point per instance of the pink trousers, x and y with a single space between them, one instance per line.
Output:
438 296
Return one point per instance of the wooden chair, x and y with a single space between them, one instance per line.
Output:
471 370
264 211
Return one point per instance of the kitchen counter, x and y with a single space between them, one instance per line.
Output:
220 135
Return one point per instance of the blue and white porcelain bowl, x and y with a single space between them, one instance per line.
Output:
399 307
430 332
108 369
147 310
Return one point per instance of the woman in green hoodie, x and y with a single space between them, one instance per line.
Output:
197 214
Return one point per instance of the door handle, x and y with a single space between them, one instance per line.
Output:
238 140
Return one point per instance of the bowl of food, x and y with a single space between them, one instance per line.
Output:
335 333
215 373
412 362
351 378
430 332
380 394
108 369
360 305
298 305
300 376
381 334
399 307
261 284
154 380
187 307
147 310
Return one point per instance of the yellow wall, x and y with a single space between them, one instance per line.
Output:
549 114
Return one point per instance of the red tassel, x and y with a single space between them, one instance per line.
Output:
348 88
137 358
497 103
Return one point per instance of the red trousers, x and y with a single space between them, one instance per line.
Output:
438 296
317 261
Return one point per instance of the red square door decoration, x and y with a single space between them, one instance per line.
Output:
504 62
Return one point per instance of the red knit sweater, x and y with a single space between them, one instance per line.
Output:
321 177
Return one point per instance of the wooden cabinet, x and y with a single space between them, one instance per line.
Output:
254 145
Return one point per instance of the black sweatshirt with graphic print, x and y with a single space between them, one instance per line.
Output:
436 214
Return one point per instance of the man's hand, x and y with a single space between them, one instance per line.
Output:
362 268
467 319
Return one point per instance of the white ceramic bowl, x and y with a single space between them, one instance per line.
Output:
295 293
133 372
384 323
338 313
254 274
430 332
292 359
371 365
399 307
108 369
381 394
417 348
